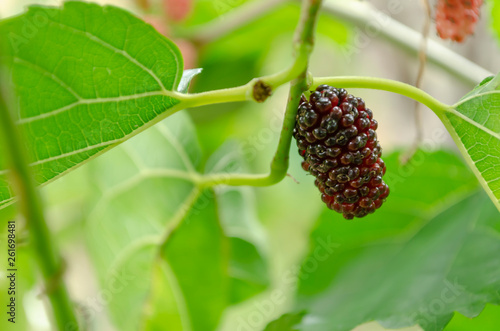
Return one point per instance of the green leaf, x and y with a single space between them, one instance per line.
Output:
241 246
206 11
140 188
441 175
248 267
474 124
487 84
487 321
195 266
145 188
286 322
429 181
86 78
444 267
409 266
162 309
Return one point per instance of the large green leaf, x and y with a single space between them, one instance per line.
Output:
429 181
419 260
237 214
448 265
474 124
146 189
86 78
139 187
195 268
193 249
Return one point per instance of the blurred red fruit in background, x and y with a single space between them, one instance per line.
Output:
456 19
177 10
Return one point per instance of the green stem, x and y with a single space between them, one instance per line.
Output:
233 94
259 89
304 43
30 205
279 165
384 85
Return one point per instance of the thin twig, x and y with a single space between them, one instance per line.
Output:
422 56
293 178
359 14
362 13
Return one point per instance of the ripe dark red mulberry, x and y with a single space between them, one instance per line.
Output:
456 19
336 136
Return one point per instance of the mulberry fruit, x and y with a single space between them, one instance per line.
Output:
335 134
456 19
177 10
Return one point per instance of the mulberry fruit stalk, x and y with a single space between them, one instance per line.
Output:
336 136
456 19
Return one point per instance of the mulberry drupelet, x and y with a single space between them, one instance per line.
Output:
336 136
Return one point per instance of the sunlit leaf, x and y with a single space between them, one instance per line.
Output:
86 78
146 188
196 259
474 124
248 268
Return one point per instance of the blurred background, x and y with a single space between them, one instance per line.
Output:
285 213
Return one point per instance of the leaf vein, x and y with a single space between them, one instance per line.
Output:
88 102
119 51
167 134
49 74
474 123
